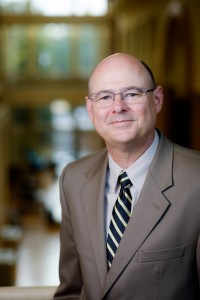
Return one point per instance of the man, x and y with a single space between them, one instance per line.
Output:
156 255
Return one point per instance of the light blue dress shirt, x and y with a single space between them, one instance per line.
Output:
136 172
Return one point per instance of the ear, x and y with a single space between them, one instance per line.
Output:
89 108
158 98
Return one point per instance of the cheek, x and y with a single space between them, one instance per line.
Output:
99 118
146 113
101 114
141 111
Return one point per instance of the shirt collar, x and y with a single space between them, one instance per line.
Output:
137 171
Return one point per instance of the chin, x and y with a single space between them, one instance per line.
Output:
123 140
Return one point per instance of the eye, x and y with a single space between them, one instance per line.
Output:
104 97
131 94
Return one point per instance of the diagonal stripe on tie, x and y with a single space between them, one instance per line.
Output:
120 217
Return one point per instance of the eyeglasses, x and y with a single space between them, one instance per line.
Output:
130 95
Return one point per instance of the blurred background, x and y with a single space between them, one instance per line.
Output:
47 51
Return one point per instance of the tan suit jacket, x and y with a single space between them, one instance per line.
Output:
159 254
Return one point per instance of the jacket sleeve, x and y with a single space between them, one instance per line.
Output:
69 269
198 259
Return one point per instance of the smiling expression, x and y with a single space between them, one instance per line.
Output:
124 123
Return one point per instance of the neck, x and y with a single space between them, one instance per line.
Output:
126 155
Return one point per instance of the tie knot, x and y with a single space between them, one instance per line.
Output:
124 180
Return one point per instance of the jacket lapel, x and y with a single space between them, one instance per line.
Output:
148 211
93 201
150 208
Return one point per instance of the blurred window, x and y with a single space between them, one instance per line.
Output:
54 50
55 8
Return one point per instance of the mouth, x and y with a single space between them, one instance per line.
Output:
121 121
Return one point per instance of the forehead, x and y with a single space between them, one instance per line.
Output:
117 73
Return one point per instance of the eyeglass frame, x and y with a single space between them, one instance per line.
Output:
140 90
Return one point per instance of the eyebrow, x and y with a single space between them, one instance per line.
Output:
122 90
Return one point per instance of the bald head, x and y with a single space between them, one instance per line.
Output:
113 67
123 104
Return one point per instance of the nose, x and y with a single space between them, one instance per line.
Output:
118 103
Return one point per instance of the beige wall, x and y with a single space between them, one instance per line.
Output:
165 34
4 156
142 27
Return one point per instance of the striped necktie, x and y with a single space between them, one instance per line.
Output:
120 216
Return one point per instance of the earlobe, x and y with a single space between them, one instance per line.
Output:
89 107
158 99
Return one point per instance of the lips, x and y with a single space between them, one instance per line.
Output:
120 121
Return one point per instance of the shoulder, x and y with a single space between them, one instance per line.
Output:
189 156
185 162
176 152
186 165
174 159
86 163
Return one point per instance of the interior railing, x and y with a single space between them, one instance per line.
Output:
27 293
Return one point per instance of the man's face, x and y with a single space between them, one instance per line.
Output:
122 123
